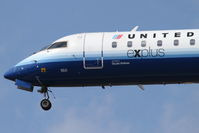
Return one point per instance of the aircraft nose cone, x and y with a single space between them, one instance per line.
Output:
11 74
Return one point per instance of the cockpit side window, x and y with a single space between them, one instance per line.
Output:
58 45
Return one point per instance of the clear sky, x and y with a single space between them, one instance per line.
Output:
26 26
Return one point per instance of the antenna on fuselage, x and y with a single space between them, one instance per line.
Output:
135 29
141 86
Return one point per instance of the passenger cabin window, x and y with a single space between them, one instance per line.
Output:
58 45
129 44
176 42
192 42
159 43
114 44
143 43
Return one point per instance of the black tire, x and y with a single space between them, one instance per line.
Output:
45 104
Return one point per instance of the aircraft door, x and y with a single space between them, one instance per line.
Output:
93 51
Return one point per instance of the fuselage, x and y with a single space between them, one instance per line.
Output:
114 58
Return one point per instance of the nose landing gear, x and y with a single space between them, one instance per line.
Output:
45 103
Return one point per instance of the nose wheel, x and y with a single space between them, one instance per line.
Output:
45 103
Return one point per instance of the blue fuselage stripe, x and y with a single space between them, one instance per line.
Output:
114 71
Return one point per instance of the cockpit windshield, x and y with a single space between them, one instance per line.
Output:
58 45
55 45
45 47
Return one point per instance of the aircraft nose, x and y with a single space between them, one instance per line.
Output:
11 74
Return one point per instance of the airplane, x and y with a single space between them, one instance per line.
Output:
109 59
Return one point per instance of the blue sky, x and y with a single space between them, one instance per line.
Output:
27 26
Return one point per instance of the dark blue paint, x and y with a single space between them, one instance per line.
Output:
11 74
142 71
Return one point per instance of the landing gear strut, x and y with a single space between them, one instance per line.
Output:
45 103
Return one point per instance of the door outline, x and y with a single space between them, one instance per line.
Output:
101 58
